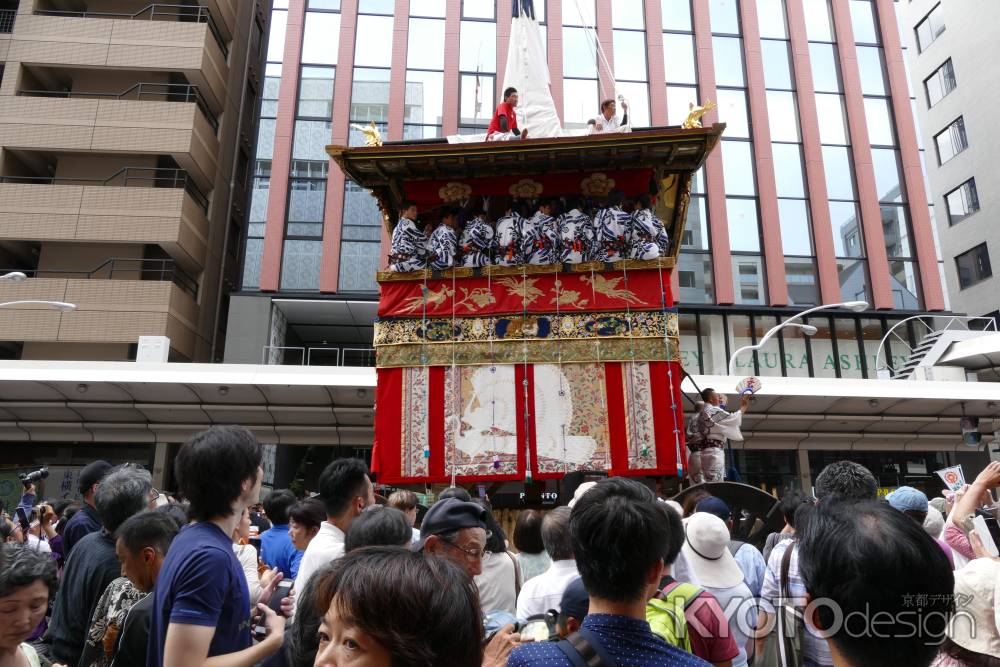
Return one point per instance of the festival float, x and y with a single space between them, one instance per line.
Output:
530 372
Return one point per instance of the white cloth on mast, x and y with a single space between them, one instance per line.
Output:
528 71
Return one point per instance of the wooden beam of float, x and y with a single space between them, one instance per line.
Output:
670 156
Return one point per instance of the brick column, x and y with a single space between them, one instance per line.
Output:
767 190
916 194
452 37
397 76
716 195
819 211
504 10
333 212
553 18
655 66
605 37
861 149
281 158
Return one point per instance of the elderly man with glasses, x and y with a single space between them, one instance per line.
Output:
456 530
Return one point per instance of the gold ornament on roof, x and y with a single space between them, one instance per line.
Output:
597 185
694 116
372 136
453 192
526 189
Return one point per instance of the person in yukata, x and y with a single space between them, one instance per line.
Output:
442 247
408 250
576 233
611 225
476 242
644 231
508 238
540 237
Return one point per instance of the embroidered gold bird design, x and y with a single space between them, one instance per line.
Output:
569 297
609 288
524 288
432 298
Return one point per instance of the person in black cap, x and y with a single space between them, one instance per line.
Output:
86 521
457 530
573 608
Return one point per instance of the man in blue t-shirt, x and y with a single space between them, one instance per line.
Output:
276 548
202 606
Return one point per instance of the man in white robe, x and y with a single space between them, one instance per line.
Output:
715 425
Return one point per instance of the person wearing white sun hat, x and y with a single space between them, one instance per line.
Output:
706 551
973 634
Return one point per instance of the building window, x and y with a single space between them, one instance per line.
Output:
951 141
930 28
962 202
940 83
973 266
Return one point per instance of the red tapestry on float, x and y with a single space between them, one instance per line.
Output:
493 423
434 193
567 292
483 381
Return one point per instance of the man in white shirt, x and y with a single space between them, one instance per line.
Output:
545 591
345 489
608 122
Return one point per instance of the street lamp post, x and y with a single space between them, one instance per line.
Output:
20 277
856 306
61 306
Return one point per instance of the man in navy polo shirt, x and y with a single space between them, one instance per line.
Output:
202 605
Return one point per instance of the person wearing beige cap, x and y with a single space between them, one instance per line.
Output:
706 550
973 634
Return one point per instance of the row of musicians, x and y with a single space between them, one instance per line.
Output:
621 229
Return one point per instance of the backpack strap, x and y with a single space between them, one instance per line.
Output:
584 649
689 592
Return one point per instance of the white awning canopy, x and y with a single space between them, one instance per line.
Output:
50 401
843 414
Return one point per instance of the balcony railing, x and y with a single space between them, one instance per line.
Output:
165 92
155 12
127 177
162 270
277 355
7 17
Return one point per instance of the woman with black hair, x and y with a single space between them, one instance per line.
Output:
27 585
391 606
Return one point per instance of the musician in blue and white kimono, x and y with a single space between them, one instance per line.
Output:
408 250
576 233
611 227
644 231
476 242
442 246
540 237
507 251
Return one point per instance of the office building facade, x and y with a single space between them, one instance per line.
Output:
126 137
951 47
815 197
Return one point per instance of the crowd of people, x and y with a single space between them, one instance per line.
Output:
569 230
617 577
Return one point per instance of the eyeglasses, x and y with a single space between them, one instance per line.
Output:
471 554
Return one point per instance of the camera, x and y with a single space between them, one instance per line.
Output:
31 477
